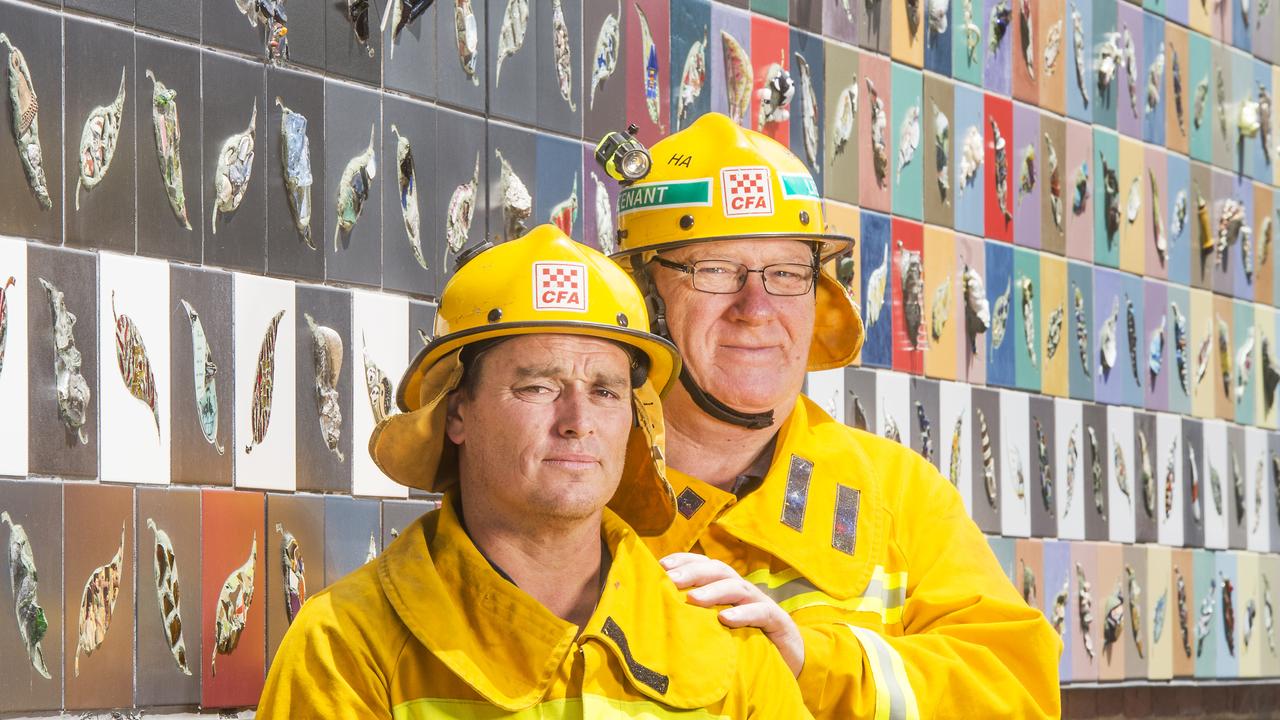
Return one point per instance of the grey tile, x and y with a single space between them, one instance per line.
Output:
175 17
302 517
554 111
400 514
52 448
350 524
121 10
226 27
456 87
231 89
410 66
416 122
988 402
353 256
159 678
560 183
319 468
287 253
515 82
307 33
37 508
96 53
160 232
38 35
194 459
344 54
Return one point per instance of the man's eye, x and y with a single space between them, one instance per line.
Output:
714 270
607 393
534 390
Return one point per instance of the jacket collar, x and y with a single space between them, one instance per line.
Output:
508 647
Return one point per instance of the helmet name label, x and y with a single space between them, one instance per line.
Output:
798 186
560 286
746 191
675 194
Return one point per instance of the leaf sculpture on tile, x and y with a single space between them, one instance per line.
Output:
649 63
407 180
563 54
264 384
135 366
235 169
1029 595
1170 468
1000 315
1055 182
1237 487
1147 475
517 204
988 460
515 24
977 311
206 387
467 37
1082 328
775 95
1184 622
381 394
232 611
604 216
1110 200
1084 605
1270 375
295 161
357 13
1135 618
462 207
400 13
940 309
32 624
809 115
326 350
294 571
4 317
1122 469
164 564
908 138
1155 351
941 153
879 150
1028 37
693 75
98 604
1177 91
997 25
98 141
911 278
1131 334
353 188
1077 39
1027 293
956 434
1046 469
69 384
1053 336
1052 48
970 157
564 214
1095 471
1155 81
1113 618
1059 617
1194 483
168 135
1157 617
24 114
926 432
877 282
372 553
739 78
1027 172
972 33
1001 170
1228 614
606 55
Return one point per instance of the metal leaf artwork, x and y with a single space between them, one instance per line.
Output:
353 189
604 216
1268 615
407 180
956 434
1221 92
1147 475
1073 459
357 13
1157 617
809 115
1264 121
1106 61
1059 618
1028 584
937 13
941 161
1082 328
1077 38
372 552
911 275
24 114
1053 336
4 317
1055 182
739 78
988 461
517 205
98 604
32 624
1110 200
401 13
1259 491
1095 471
1228 615
98 141
1155 351
913 18
1270 375
972 33
1134 202
693 75
846 115
1027 292
1157 220
515 24
877 282
970 157
1194 483
1052 48
467 38
294 571
1028 49
1046 470
564 214
205 371
1130 70
1155 81
1135 618
295 161
606 55
1131 328
940 310
1237 487
1179 221
1246 252
891 430
879 150
1215 487
1265 237
908 138
1202 356
649 61
1080 189
271 14
1107 346
775 96
164 565
1177 91
462 207
69 384
977 312
1113 618
168 135
232 611
1230 226
235 168
1084 606
1122 468
926 432
1199 102
1169 469
563 54
1001 170
135 366
1027 172
1244 365
1000 315
997 25
1250 615
1224 356
264 383
326 351
1184 621
860 420
381 394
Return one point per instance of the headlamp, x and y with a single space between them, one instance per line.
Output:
623 157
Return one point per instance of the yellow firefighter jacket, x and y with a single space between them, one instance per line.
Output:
903 608
431 630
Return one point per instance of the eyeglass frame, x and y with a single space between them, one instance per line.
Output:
745 271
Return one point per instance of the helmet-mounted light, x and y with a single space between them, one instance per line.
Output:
623 157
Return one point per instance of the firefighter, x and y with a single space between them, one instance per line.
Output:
524 594
851 552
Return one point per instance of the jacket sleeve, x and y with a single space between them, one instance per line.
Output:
969 645
765 681
324 668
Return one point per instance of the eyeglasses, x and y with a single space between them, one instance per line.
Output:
726 277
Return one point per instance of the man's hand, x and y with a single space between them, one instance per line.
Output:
715 583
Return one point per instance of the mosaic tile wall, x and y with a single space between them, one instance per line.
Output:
1065 220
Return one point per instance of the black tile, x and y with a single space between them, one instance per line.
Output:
416 122
38 36
307 33
196 460
122 10
344 54
226 27
515 82
455 86
96 53
232 89
160 232
410 66
288 254
320 469
350 114
175 17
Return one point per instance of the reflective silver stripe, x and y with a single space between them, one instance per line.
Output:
891 597
886 667
797 496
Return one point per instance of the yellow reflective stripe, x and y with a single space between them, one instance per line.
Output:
885 594
895 699
587 706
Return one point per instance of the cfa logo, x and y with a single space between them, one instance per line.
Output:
560 286
746 191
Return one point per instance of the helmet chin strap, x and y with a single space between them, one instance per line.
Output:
705 401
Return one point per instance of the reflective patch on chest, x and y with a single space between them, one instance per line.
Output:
689 502
651 678
797 497
844 526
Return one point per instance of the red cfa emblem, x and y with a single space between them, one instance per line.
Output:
560 286
746 191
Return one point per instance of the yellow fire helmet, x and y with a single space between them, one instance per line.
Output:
716 180
543 282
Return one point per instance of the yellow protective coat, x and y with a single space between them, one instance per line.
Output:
919 621
431 630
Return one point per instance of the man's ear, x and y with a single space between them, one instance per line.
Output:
454 425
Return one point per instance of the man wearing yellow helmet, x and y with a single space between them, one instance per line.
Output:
523 595
852 552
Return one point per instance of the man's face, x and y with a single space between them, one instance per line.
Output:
542 434
748 349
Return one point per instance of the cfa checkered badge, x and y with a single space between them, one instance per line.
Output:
746 191
560 286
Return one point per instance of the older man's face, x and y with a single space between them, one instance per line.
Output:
748 349
542 435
